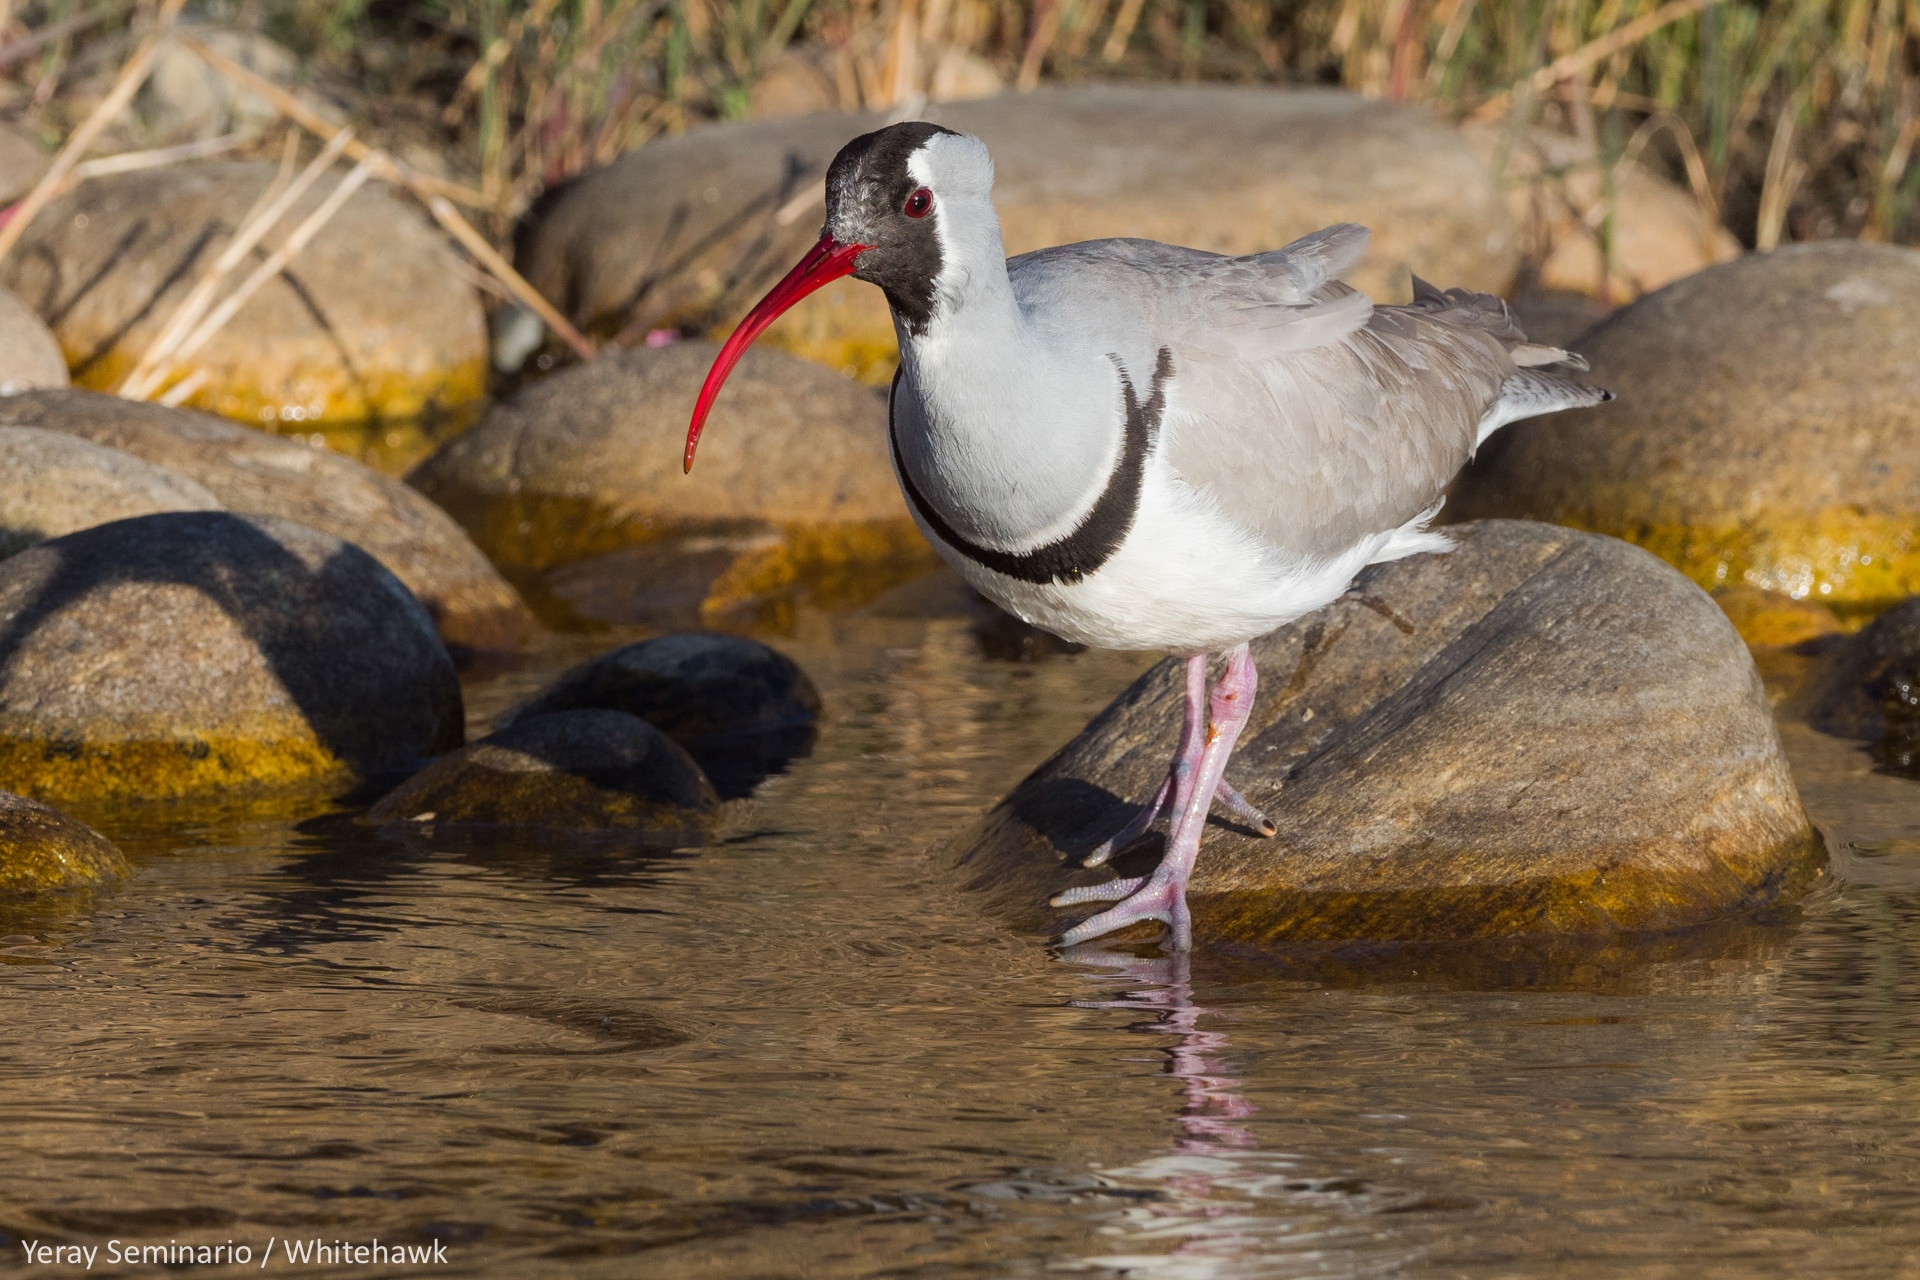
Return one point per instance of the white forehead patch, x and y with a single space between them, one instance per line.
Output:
953 165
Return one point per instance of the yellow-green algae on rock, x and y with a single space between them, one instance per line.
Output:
373 320
191 652
44 851
1763 435
1544 733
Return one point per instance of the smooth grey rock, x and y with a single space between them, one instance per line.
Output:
200 651
53 484
1544 732
472 605
29 353
1763 435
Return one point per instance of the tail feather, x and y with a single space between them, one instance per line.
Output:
1531 392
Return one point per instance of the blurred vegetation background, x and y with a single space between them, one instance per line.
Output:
1789 120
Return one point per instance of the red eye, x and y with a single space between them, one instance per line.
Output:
919 204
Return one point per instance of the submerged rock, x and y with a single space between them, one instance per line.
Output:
741 709
29 355
688 231
573 770
53 484
373 320
472 605
199 651
793 482
44 851
1544 732
1868 687
1763 435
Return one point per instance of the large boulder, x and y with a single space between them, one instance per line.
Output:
1562 199
374 320
573 771
52 484
741 709
793 482
44 851
688 231
1544 732
1764 431
197 651
29 355
472 605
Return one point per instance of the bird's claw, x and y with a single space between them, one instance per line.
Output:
1160 899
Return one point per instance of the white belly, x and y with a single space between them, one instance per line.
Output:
1185 580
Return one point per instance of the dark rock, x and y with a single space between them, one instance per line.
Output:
43 850
573 770
1763 434
688 231
29 355
1544 732
198 651
472 605
374 320
53 484
793 485
1868 687
741 709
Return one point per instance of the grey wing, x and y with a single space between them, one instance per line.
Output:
1317 445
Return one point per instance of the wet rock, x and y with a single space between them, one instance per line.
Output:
197 651
22 162
53 484
1544 732
472 605
1763 433
374 320
740 708
688 231
793 483
44 851
574 770
29 355
1555 192
1868 687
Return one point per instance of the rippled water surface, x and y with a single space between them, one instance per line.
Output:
806 1051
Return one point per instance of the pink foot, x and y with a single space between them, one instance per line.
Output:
1163 895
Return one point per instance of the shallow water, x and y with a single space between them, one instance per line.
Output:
804 1051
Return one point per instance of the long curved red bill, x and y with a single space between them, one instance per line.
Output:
824 263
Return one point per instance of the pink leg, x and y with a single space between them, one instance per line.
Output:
1163 895
1185 761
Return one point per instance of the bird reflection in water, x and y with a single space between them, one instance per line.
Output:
1235 1212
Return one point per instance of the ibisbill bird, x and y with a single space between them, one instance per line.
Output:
1139 446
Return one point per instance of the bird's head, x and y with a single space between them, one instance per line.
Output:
901 201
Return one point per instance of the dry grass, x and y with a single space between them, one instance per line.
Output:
1789 119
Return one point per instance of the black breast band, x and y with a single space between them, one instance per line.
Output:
1104 527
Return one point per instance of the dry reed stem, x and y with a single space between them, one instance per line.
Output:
47 35
150 371
476 77
1783 174
310 120
133 74
1592 53
489 257
1045 28
159 157
180 391
278 260
1123 25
